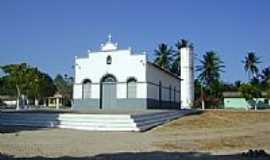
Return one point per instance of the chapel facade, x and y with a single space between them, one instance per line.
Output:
120 79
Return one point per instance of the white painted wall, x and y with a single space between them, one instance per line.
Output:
10 102
77 91
154 75
187 76
124 65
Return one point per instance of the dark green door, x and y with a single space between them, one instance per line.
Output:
108 92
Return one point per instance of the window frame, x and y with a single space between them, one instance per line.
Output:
109 60
131 80
84 83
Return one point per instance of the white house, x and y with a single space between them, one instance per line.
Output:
115 78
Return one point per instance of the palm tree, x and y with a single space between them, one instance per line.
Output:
182 43
163 56
175 68
237 84
264 80
210 68
265 75
250 64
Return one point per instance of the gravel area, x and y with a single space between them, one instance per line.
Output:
211 134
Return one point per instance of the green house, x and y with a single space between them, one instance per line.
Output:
234 100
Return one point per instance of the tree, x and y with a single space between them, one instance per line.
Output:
265 76
6 88
42 86
250 64
47 86
182 44
267 89
64 86
200 95
229 87
34 90
176 58
26 80
237 84
163 56
251 92
263 80
15 74
210 68
175 67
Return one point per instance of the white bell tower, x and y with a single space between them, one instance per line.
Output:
109 45
187 77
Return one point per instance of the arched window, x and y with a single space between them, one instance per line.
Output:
109 60
86 89
131 88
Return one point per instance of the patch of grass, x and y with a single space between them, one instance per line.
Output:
225 142
217 130
218 143
217 119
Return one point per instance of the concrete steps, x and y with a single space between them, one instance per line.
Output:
95 122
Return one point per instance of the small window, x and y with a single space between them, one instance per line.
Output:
109 60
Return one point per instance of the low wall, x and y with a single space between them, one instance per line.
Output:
242 103
124 104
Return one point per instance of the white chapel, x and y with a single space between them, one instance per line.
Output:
114 78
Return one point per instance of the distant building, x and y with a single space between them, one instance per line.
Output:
234 100
8 100
56 101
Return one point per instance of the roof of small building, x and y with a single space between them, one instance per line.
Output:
237 94
164 70
56 95
231 94
7 97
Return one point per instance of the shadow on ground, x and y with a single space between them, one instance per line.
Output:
151 156
16 129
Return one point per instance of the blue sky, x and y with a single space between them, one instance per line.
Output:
49 34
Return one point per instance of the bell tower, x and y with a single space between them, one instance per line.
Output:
187 77
109 45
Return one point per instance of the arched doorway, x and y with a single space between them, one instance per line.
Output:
108 91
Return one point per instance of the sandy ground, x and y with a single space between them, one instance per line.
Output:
211 134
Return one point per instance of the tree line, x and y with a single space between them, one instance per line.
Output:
209 87
23 80
259 81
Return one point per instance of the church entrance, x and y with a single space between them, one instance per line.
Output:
108 92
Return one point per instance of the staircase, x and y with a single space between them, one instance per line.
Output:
93 122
